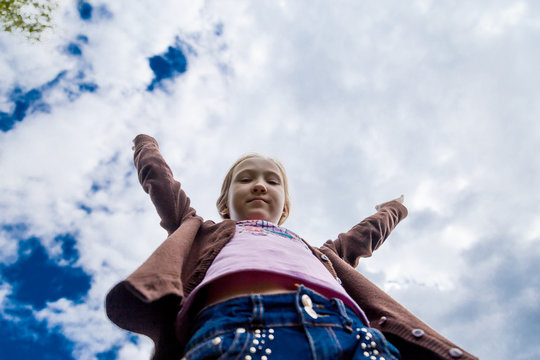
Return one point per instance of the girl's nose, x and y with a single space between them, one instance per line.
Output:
258 188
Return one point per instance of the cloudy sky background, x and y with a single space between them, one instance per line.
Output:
362 101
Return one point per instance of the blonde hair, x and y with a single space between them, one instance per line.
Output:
222 200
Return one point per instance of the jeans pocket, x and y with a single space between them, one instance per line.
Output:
205 350
219 347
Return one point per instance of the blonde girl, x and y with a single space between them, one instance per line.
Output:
249 288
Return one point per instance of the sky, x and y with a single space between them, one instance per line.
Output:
362 101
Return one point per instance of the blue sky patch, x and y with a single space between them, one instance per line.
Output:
85 10
88 87
22 102
82 38
68 242
29 339
36 279
108 355
167 66
73 49
54 82
97 186
6 122
87 209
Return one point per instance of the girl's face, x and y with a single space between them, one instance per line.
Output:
256 191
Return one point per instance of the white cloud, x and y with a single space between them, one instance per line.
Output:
137 351
8 247
84 324
362 102
5 291
495 23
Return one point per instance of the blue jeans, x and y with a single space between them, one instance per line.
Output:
298 325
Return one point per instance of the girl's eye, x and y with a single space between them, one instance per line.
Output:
245 180
273 182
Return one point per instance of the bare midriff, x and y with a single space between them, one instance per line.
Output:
245 283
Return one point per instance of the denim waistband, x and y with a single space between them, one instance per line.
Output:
302 307
297 325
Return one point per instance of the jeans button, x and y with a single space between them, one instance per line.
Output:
306 301
311 312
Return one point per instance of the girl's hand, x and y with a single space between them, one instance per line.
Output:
400 199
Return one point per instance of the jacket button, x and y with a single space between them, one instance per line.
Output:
455 353
418 333
382 320
324 257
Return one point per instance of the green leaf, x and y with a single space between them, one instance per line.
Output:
17 16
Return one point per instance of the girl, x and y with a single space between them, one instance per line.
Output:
248 288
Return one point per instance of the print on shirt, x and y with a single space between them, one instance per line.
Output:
265 228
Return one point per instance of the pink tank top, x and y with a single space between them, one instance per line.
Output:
262 247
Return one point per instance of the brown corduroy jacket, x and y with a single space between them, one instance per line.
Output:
148 301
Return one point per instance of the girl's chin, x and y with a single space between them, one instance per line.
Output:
260 217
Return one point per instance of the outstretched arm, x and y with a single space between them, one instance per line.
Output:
370 233
156 178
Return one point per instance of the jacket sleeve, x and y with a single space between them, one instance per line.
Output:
370 233
414 339
156 178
